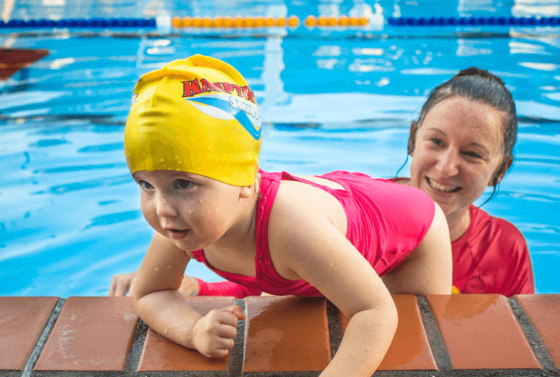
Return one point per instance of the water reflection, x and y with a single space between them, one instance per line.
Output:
341 99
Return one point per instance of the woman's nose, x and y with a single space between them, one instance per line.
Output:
448 163
165 207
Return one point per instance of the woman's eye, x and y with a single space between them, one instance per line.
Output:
145 185
436 141
472 154
183 184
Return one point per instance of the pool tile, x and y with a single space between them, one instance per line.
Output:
22 320
544 313
91 334
286 334
410 349
481 332
160 354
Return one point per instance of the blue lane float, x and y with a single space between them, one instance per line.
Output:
80 23
473 21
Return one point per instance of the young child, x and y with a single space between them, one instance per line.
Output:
192 142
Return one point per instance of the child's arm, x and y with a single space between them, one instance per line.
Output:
163 308
321 255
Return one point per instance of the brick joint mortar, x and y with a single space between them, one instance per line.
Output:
27 371
532 336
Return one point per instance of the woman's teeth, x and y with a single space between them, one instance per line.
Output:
440 187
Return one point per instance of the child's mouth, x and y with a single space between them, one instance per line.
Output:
178 234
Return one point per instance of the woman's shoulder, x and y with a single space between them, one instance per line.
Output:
481 217
492 228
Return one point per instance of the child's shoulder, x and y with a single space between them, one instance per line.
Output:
297 199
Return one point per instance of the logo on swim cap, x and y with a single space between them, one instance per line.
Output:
194 87
227 107
239 103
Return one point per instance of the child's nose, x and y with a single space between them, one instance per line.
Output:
165 207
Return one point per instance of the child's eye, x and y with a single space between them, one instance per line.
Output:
183 184
145 185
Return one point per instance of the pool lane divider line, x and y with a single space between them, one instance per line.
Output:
28 369
266 22
533 338
79 23
473 21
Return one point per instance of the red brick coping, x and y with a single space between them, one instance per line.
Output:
458 335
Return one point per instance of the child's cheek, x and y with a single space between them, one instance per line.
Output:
149 214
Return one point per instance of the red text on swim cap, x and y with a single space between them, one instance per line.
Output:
193 87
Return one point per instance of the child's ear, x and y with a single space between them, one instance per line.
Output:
246 191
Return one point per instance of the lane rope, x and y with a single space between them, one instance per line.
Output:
474 21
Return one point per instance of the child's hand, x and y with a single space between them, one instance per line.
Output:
213 334
189 286
122 284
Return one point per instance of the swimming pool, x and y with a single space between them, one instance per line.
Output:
330 99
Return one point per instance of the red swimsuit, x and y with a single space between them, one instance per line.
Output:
386 222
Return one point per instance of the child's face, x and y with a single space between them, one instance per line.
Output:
191 210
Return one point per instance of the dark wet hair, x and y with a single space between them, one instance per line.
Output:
478 85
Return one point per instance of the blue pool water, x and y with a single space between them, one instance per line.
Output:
329 98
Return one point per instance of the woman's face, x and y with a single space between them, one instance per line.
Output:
457 151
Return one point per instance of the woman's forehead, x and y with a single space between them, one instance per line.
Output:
462 116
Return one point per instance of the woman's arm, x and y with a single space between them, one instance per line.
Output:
164 309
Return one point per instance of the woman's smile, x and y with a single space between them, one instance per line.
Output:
445 188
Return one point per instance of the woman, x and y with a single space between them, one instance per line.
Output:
462 142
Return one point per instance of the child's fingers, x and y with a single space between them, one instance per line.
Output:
226 331
122 284
218 352
225 344
235 310
216 347
112 288
119 286
225 318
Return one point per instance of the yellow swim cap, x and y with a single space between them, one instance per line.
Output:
196 115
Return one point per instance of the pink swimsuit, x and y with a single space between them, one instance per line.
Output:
386 222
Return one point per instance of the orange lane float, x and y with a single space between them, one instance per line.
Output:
261 21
